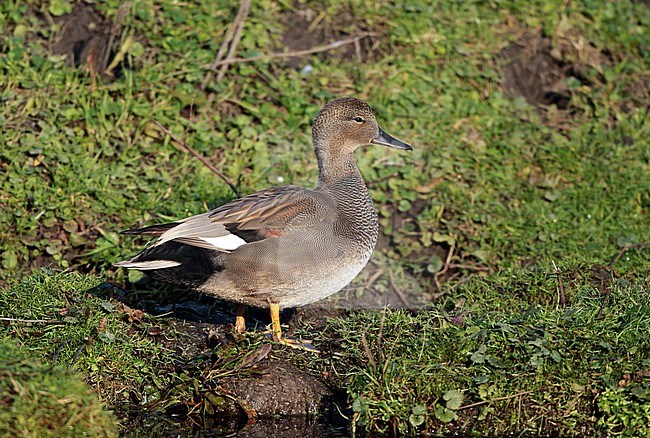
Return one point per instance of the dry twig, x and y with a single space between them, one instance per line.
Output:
625 249
445 267
200 157
38 321
233 35
84 346
398 291
366 348
560 286
484 402
469 267
295 54
239 26
374 277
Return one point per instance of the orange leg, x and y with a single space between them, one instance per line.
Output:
240 322
276 330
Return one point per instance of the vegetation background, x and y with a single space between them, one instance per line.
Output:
516 234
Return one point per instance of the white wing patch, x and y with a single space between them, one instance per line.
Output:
228 242
202 232
149 265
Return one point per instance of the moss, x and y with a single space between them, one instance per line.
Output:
44 400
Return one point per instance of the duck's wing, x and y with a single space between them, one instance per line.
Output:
262 215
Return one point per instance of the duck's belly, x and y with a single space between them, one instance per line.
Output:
324 285
290 276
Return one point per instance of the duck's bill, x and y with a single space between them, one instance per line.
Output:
385 139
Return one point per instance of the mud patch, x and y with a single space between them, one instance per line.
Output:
282 400
425 266
539 68
307 28
532 72
279 389
227 390
88 40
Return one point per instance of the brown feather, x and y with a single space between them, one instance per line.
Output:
153 230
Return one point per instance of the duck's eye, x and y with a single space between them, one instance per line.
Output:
359 120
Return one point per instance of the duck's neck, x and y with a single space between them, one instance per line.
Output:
334 170
341 179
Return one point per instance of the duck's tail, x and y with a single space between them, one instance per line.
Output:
177 263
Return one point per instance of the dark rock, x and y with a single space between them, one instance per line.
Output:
282 390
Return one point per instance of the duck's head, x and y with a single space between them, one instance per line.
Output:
344 124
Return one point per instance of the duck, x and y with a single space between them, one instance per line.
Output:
285 246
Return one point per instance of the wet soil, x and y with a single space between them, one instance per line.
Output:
271 394
87 39
266 395
280 390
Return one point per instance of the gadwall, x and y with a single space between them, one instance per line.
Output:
284 246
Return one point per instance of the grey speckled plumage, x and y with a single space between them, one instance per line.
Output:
284 246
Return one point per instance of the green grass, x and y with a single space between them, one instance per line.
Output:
510 187
85 328
142 366
45 400
84 162
477 362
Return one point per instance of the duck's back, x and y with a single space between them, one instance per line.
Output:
289 245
